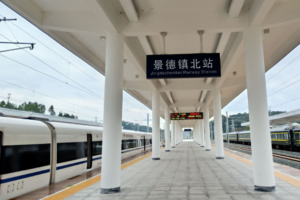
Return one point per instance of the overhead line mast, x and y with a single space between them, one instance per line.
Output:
17 43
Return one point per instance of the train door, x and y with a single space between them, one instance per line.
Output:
292 139
144 142
89 151
1 142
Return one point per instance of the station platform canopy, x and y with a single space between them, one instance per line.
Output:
81 27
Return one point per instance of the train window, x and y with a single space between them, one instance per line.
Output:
70 151
296 136
131 144
97 148
23 157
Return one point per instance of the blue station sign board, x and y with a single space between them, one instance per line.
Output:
198 65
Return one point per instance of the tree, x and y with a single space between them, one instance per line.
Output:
33 107
51 110
67 115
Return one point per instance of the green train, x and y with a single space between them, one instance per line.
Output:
282 138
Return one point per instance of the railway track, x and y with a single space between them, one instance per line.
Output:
276 155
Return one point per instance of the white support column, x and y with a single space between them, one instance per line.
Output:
112 125
155 126
207 131
196 132
173 133
258 109
218 124
202 140
177 132
167 129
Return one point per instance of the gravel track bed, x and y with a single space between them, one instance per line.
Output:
283 161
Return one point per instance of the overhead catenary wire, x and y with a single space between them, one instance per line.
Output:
284 66
45 95
53 68
56 53
50 76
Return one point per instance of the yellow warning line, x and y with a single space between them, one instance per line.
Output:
80 186
284 177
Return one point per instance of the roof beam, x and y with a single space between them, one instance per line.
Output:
235 8
220 49
148 50
130 10
136 85
186 86
153 22
259 10
234 82
282 13
233 55
78 22
186 104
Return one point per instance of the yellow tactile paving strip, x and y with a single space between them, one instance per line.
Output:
80 186
286 178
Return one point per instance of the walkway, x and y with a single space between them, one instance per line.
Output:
189 172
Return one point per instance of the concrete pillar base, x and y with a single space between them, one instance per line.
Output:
167 150
219 157
110 190
264 189
155 158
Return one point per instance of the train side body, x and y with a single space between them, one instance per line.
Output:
25 156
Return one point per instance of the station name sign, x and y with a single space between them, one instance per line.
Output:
187 130
183 66
184 116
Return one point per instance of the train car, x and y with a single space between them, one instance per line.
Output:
233 137
225 138
25 158
280 138
244 137
34 154
134 143
78 149
296 139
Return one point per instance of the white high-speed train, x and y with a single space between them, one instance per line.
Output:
34 154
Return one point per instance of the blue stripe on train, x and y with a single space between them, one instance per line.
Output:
70 165
24 176
48 170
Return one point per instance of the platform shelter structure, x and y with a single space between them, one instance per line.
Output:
115 36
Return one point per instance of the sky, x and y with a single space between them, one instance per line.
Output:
283 83
52 75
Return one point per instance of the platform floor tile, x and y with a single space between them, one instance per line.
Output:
189 172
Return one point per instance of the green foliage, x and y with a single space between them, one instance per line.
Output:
247 128
33 107
239 119
67 115
51 110
136 127
30 106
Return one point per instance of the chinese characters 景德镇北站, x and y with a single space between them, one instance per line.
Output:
170 64
183 64
195 64
209 64
158 65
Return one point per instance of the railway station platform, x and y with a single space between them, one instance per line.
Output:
187 172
